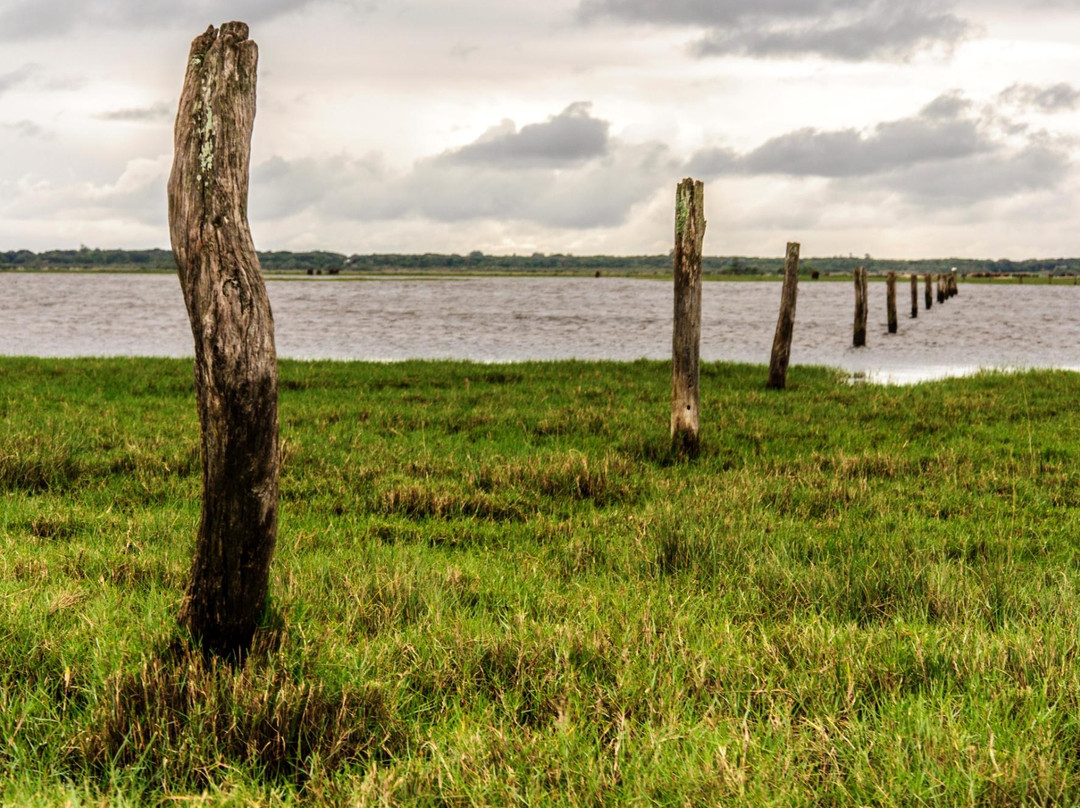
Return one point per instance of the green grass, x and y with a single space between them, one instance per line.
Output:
495 585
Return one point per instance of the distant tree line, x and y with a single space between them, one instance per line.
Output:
476 261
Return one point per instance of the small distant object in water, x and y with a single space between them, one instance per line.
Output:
333 272
598 274
815 275
311 272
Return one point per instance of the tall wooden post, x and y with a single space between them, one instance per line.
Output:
785 324
231 321
686 338
929 292
890 300
914 295
859 339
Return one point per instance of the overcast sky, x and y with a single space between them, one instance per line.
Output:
899 128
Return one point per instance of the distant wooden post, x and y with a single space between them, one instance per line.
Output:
860 307
940 288
785 325
929 293
914 295
890 300
235 361
686 338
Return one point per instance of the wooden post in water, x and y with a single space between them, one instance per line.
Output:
686 338
890 300
235 361
914 295
929 293
940 288
859 339
785 324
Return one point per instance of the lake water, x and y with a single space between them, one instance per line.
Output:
512 319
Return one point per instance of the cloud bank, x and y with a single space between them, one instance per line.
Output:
951 153
847 30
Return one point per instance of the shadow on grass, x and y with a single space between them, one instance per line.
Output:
184 715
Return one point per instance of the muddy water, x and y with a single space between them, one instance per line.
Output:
511 319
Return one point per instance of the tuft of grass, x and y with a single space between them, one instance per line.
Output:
180 718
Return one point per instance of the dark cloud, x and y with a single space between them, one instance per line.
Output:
950 105
18 77
570 137
946 154
847 152
23 19
978 178
156 112
462 52
34 76
851 30
714 162
28 129
1061 97
895 35
565 172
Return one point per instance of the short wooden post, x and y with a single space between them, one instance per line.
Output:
929 293
940 288
890 300
785 324
235 361
859 339
914 295
686 337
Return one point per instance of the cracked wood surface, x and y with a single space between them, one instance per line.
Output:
233 329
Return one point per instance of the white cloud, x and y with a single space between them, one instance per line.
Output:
565 172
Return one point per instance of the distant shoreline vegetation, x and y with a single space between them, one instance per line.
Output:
557 263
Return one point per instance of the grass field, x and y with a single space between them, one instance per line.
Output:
494 585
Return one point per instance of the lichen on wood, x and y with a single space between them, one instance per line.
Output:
233 330
686 336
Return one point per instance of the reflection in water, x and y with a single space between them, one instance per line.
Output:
512 319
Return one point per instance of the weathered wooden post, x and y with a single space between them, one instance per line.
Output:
235 360
686 337
940 288
890 300
929 293
914 295
860 307
785 324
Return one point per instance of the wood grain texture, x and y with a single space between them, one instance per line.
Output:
859 335
890 301
686 337
233 329
785 324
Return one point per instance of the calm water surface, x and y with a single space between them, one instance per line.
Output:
511 319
